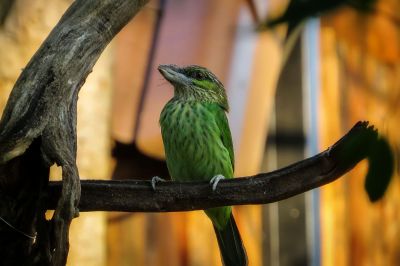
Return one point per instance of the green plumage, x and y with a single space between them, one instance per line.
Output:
198 143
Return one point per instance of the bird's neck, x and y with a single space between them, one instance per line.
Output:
191 95
188 94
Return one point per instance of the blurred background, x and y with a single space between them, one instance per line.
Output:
343 67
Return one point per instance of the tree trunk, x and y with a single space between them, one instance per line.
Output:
38 129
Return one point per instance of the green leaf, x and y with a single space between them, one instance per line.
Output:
380 170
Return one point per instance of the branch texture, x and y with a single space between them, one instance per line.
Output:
38 129
138 196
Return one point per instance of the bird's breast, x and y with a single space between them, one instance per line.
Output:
192 142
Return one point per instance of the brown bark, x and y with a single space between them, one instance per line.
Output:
38 129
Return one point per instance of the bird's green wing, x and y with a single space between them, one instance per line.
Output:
223 125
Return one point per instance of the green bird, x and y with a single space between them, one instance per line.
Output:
198 144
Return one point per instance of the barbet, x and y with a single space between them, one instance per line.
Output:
198 144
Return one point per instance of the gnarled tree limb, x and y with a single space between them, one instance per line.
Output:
137 195
38 129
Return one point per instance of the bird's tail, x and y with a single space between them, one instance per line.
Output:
230 244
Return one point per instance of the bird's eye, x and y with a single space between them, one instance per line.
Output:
198 75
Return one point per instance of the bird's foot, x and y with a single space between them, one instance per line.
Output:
215 180
154 181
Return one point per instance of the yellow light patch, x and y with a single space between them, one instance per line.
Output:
204 84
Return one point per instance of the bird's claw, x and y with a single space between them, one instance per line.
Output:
215 180
154 181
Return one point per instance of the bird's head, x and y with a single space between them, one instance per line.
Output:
195 83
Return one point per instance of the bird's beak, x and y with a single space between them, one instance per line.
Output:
172 74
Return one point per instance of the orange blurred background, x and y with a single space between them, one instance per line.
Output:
344 68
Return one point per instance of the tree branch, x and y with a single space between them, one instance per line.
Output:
137 195
38 129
